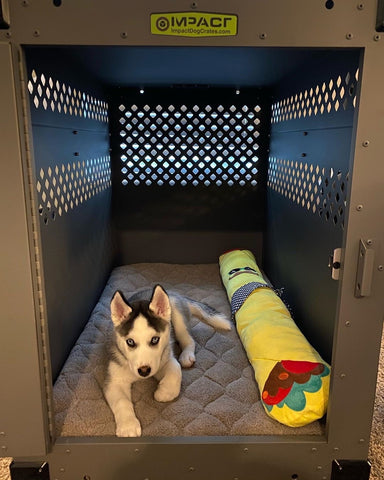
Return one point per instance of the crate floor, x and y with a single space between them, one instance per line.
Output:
219 395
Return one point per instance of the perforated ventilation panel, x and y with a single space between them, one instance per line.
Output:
165 144
338 93
319 190
61 188
190 158
56 96
65 186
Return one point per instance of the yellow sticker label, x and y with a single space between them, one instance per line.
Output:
194 24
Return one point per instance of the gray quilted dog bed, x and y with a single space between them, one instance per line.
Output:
219 395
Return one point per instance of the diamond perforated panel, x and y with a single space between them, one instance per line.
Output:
61 188
338 93
190 158
196 144
319 190
55 96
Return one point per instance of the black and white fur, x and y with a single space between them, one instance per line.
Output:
142 348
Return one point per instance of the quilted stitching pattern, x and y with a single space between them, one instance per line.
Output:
219 395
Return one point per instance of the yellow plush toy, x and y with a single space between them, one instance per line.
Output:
292 377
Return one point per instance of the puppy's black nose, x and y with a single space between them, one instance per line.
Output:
144 371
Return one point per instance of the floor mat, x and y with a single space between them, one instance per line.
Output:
219 395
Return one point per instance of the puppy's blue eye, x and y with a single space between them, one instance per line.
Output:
155 340
131 343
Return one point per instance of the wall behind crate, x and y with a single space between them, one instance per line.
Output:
72 177
310 168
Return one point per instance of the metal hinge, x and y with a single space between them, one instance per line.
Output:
365 267
37 250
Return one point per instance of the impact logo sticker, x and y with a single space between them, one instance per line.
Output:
194 24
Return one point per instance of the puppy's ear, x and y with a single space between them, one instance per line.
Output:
160 304
119 309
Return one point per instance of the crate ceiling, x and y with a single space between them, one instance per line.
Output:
162 66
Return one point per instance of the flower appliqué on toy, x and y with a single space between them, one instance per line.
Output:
288 382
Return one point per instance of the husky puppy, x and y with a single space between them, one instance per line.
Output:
142 348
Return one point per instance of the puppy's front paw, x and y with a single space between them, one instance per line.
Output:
164 394
187 359
131 428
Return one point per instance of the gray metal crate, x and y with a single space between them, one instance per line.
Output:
318 67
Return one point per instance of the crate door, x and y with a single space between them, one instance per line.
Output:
308 181
22 401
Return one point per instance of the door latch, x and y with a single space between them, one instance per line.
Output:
365 267
334 263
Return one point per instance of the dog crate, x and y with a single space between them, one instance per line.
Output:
146 144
